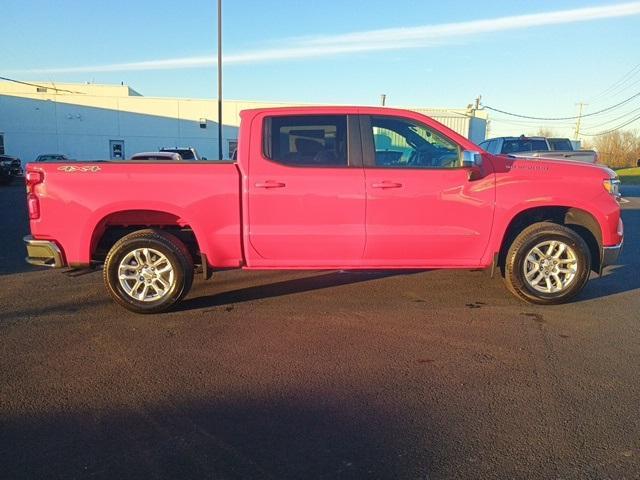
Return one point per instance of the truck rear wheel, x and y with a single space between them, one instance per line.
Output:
547 264
148 271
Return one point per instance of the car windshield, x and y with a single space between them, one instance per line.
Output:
524 145
152 157
186 154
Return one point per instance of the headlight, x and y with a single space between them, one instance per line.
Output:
6 163
612 185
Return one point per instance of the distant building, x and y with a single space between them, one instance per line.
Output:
88 121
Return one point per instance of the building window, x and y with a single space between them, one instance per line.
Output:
41 90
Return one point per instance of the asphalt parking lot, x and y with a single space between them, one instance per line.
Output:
437 375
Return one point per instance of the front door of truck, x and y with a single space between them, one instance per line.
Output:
306 203
422 208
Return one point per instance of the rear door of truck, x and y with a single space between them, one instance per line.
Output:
306 191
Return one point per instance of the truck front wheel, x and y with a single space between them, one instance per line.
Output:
547 264
148 271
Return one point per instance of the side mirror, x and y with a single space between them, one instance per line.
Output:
471 159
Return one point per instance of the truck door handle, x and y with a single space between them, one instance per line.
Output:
386 184
270 184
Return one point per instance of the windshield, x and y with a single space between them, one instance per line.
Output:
156 157
50 158
563 144
186 154
524 145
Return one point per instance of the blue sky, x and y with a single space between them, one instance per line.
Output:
335 51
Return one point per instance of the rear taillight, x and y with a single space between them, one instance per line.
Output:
34 206
32 179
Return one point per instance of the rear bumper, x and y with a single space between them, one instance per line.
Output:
43 253
610 255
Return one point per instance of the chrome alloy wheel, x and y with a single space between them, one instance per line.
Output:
146 274
550 266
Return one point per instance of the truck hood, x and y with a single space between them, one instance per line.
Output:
554 163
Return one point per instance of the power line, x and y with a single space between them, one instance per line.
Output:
631 73
623 89
613 129
563 118
611 120
627 87
525 123
49 87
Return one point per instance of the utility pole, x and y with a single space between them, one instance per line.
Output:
219 79
472 108
579 120
479 97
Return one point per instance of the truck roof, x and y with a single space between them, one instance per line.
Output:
344 109
248 114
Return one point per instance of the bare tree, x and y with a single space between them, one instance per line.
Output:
617 149
546 132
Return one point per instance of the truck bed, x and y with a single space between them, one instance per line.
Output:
79 200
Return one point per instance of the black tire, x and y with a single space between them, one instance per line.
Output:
175 252
514 272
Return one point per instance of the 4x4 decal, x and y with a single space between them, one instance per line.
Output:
82 168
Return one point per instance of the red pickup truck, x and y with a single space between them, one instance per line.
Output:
327 188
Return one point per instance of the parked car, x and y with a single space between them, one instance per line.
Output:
158 156
560 148
5 174
12 164
315 188
10 168
52 157
187 153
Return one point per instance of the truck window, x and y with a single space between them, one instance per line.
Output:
560 144
524 145
403 143
306 140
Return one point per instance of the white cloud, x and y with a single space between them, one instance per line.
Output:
365 41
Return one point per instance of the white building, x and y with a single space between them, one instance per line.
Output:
89 122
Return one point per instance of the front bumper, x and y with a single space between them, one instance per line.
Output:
43 253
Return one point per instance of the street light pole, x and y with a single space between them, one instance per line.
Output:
219 79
